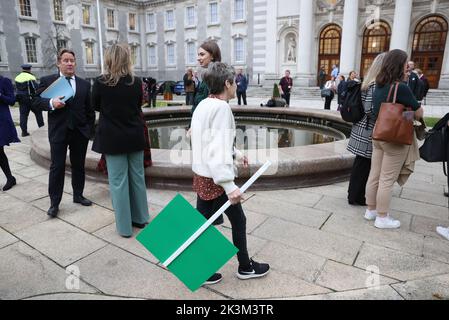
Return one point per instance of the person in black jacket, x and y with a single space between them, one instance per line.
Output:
117 95
70 125
413 81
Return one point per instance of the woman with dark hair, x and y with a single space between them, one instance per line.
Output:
388 159
208 52
8 132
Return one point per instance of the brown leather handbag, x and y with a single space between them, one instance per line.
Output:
393 124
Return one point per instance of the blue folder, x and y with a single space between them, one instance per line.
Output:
60 88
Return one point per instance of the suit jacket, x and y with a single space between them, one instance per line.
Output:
78 108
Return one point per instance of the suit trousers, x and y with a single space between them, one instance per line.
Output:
25 108
386 165
359 177
77 144
237 218
240 95
126 176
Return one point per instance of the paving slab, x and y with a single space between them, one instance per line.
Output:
419 208
431 288
32 171
287 211
292 261
436 249
427 226
324 244
341 277
425 197
60 241
6 238
78 297
89 219
24 273
299 196
382 293
163 197
119 273
361 229
131 245
398 265
21 215
29 191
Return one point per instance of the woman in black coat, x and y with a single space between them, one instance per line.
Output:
117 95
8 133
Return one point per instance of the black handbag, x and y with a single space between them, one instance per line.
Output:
435 147
326 93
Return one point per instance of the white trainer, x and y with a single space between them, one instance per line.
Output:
444 232
370 214
386 223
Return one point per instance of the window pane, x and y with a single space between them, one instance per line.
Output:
171 54
190 16
213 11
25 8
30 47
151 24
134 55
239 9
60 44
132 22
111 19
59 13
89 53
86 14
191 54
169 19
239 52
152 55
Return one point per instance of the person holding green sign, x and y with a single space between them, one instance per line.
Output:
213 134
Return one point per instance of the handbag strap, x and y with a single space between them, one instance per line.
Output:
395 86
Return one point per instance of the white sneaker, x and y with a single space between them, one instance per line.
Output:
386 223
444 232
370 214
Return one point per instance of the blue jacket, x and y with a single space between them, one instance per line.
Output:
242 83
8 132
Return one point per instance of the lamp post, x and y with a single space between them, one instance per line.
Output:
100 37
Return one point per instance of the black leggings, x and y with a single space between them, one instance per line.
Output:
237 218
4 164
359 177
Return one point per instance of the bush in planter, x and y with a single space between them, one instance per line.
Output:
276 100
276 93
168 94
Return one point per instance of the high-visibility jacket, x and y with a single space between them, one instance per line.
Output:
25 84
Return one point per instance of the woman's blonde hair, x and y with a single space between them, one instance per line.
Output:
373 71
117 64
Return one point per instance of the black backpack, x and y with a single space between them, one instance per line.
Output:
352 108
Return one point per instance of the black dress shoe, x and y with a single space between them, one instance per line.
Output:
139 225
83 201
446 194
53 211
25 134
11 182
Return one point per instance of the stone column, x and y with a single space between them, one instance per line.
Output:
444 80
306 76
271 41
401 26
349 37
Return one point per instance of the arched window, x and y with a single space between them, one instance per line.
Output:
330 47
428 47
376 39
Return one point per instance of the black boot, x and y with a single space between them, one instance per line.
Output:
11 182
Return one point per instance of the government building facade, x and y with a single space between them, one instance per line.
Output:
264 37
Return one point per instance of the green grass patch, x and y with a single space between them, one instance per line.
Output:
430 121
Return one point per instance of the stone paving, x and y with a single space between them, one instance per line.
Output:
318 246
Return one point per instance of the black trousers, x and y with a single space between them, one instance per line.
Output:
25 108
190 98
4 163
238 223
77 144
240 95
286 96
328 101
359 177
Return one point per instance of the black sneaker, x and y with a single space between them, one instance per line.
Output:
216 278
256 270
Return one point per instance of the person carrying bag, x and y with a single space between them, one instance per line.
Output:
395 121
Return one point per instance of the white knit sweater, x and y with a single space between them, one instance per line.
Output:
213 135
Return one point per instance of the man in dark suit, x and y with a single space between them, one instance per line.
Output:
70 124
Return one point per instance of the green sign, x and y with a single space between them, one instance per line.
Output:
174 225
